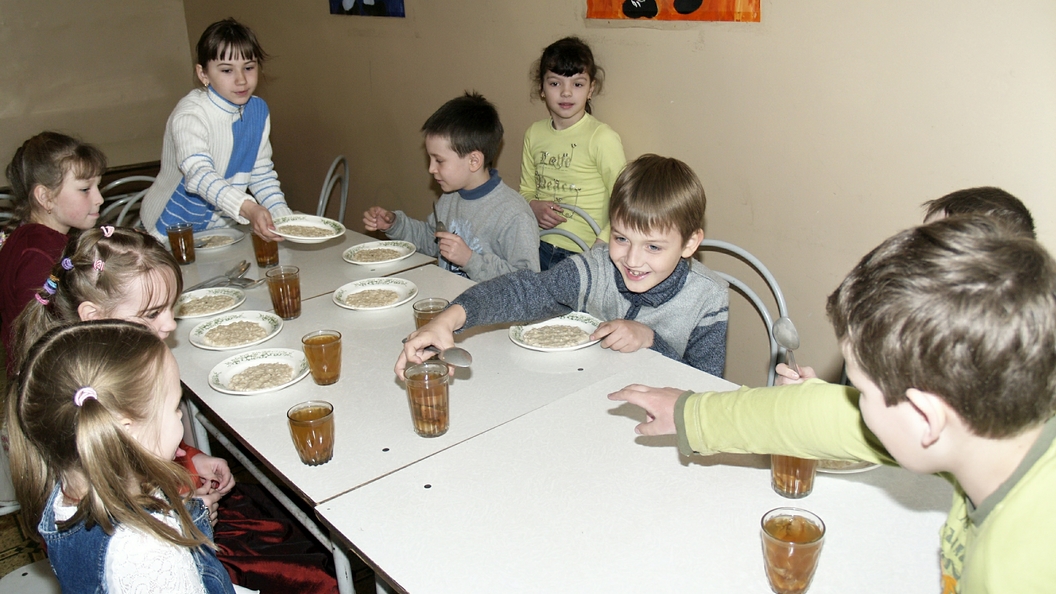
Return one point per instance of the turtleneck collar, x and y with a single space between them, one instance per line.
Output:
658 295
222 103
483 189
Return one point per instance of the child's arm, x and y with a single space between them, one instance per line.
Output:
439 332
515 248
421 233
547 215
264 181
377 218
625 336
706 349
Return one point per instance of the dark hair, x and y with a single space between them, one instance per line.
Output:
567 57
964 308
658 193
987 201
228 39
470 123
44 160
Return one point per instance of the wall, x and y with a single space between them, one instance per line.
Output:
107 71
817 132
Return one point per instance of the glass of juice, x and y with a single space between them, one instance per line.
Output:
427 309
792 477
181 242
427 396
266 252
792 540
284 285
323 350
312 431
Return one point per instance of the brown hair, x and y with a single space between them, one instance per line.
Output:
226 40
469 123
83 447
963 308
655 193
989 201
568 56
44 160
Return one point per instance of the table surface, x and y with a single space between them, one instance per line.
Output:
568 499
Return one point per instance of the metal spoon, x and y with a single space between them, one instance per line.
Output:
440 226
454 356
786 336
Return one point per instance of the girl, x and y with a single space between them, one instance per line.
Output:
216 165
55 187
94 422
570 157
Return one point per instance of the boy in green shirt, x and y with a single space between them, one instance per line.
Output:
949 333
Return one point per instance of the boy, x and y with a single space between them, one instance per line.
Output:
949 332
490 230
986 200
644 282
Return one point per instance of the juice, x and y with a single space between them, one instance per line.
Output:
427 309
312 431
323 350
284 285
266 252
427 397
181 242
792 542
792 477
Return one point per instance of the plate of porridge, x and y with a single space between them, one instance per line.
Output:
844 466
214 239
301 228
566 333
236 330
378 252
259 371
375 293
208 302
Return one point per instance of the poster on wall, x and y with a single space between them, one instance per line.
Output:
675 10
390 8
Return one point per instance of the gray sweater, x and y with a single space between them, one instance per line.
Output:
688 311
493 219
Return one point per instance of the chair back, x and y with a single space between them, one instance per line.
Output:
120 204
7 208
768 318
333 175
577 239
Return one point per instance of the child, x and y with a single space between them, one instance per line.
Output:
570 157
644 284
216 166
55 187
949 332
490 230
94 422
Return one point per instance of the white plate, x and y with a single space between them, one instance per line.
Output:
336 229
234 234
852 469
238 294
270 322
405 248
405 288
581 320
221 375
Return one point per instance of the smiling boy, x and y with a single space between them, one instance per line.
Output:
949 332
644 284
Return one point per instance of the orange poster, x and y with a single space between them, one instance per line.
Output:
675 10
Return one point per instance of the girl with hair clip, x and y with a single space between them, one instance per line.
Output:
55 188
93 422
121 273
570 157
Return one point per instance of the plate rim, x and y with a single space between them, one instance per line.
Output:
228 231
238 301
345 254
311 218
521 328
852 470
385 279
299 355
258 313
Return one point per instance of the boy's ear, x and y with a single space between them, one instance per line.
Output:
692 243
89 311
933 410
476 161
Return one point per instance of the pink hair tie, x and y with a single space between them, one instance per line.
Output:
84 394
42 300
108 230
98 265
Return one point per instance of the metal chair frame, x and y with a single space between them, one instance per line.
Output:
577 239
126 202
331 179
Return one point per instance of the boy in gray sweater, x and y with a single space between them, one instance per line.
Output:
490 230
644 283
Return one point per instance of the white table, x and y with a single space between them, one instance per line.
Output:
568 499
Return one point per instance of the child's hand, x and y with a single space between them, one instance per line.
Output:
659 406
440 332
787 376
211 498
454 249
377 218
214 471
260 219
625 336
547 213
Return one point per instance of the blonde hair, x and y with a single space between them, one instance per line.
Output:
56 440
44 160
122 256
655 193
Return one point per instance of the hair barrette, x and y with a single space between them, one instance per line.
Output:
108 230
42 300
51 285
67 264
83 394
98 265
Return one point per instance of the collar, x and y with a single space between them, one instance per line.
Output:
658 295
1041 445
483 189
224 105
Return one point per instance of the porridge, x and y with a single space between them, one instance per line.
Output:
235 334
204 305
555 336
372 298
261 377
377 255
212 241
305 231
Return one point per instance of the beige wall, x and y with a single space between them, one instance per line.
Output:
107 71
817 132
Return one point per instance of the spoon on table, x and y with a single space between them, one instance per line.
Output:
787 337
454 356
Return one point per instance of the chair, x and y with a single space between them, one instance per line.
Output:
332 177
764 311
7 208
122 208
579 241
